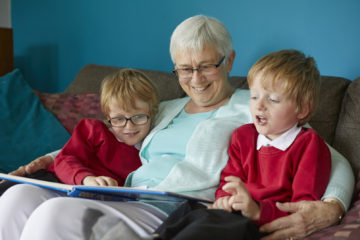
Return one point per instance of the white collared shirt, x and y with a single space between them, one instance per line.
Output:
282 142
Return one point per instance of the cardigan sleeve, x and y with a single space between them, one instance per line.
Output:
341 183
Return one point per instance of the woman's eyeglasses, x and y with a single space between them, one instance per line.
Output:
205 70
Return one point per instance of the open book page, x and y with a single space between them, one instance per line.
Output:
51 185
106 193
135 193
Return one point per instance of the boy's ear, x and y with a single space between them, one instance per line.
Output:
304 112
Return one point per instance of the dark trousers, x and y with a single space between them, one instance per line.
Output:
41 174
194 221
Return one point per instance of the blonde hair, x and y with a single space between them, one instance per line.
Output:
297 75
125 87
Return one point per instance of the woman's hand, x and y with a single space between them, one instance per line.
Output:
39 163
306 218
99 181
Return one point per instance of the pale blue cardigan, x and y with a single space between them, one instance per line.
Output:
206 152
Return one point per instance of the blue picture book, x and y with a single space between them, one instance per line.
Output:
105 193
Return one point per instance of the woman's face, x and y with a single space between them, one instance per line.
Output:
205 91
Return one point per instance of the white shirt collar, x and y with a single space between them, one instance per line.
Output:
282 142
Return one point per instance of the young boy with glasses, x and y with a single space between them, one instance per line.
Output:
274 159
103 154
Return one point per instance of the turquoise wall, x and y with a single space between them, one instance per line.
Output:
54 39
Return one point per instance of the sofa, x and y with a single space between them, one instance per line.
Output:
337 120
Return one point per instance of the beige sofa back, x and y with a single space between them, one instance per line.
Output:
347 134
337 121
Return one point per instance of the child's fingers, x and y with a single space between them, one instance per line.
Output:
222 203
111 182
232 179
106 181
100 181
89 181
238 206
235 188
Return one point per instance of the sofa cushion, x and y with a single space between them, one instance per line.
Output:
69 109
90 76
331 94
347 135
27 129
238 82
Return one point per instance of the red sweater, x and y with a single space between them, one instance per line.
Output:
94 150
301 172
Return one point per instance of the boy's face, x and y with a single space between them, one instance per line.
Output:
272 111
130 134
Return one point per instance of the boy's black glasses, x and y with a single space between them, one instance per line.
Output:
138 119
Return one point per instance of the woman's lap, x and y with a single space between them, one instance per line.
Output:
65 217
17 204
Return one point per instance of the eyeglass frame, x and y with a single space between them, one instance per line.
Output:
130 119
198 68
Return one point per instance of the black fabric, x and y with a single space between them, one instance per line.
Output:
194 221
41 174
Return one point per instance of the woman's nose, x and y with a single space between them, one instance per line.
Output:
197 76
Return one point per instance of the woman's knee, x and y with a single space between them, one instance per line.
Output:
59 217
15 211
15 196
55 207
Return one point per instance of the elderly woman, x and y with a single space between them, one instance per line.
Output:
184 153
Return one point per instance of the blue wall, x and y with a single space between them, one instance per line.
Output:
54 39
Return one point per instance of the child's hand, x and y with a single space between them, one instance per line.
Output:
99 181
222 203
241 199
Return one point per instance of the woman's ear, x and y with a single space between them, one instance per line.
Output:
230 61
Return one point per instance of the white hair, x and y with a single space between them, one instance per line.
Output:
200 31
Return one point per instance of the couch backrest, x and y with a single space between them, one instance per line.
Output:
327 115
343 136
89 78
347 134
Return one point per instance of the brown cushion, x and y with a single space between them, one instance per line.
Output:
90 76
69 109
347 137
331 95
238 82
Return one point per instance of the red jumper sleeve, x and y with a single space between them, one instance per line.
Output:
72 163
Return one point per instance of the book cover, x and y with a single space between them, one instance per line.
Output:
106 193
